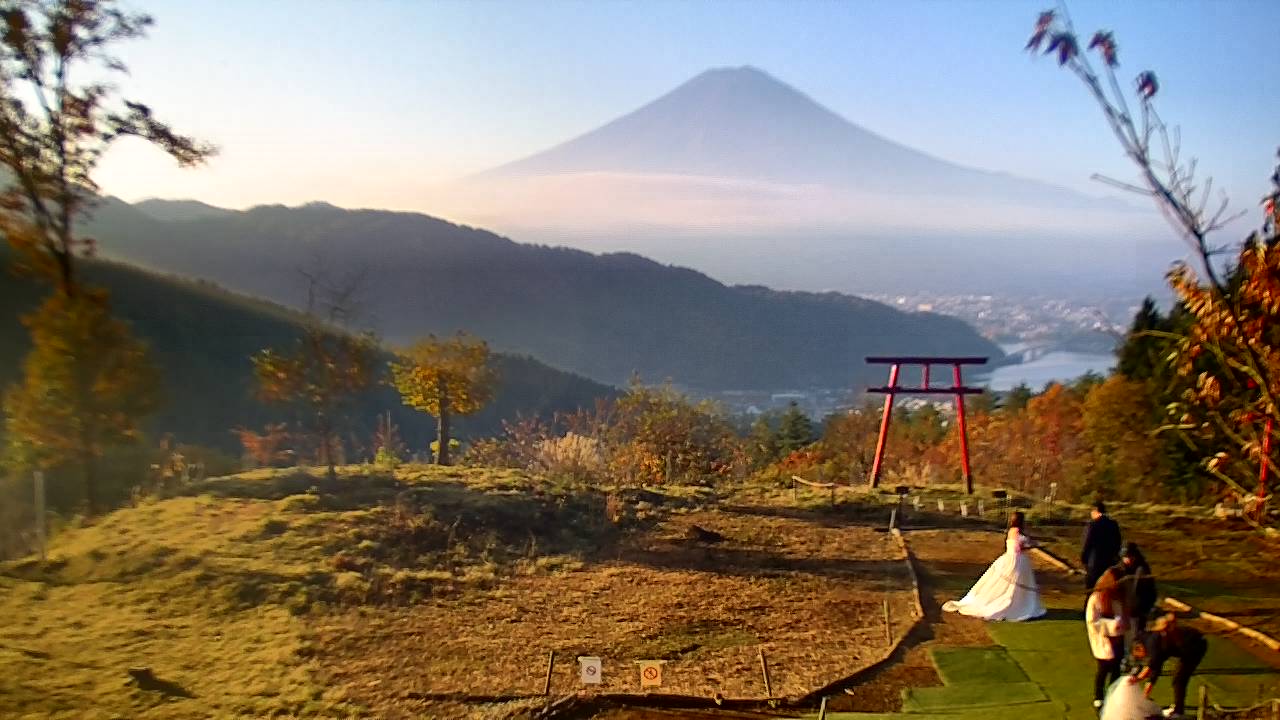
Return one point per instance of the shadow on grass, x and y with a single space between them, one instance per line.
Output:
841 514
1057 613
752 562
150 683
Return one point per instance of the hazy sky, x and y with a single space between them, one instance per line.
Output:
371 103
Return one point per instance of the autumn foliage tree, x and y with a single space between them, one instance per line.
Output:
86 381
1230 356
1230 353
318 377
656 435
445 377
1120 449
58 118
86 385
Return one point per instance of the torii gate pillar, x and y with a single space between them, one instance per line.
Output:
893 389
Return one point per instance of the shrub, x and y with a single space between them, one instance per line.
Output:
573 456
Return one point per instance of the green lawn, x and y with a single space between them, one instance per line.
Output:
1043 670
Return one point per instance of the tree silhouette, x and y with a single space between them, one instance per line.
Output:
57 120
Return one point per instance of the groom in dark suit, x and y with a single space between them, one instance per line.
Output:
1101 544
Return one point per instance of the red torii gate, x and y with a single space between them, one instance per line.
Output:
892 389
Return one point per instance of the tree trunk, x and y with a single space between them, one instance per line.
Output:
326 446
91 482
442 428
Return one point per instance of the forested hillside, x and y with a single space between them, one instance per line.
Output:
602 316
202 337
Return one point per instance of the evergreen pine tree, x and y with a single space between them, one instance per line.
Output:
795 430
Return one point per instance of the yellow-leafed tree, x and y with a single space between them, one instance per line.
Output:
445 377
86 385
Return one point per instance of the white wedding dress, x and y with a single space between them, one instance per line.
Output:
1127 701
1007 590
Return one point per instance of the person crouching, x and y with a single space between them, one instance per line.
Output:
1165 639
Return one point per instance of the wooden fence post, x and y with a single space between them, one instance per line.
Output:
551 663
41 536
764 670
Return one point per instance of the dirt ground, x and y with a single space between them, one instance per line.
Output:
805 587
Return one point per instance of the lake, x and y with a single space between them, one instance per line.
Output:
1051 367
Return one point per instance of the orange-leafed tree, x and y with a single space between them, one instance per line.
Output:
443 378
270 448
86 385
1230 354
1230 358
319 377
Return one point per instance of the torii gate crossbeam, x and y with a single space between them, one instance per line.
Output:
892 389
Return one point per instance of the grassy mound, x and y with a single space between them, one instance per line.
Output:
213 590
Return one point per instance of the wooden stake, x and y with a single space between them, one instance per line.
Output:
893 518
822 709
764 670
1204 702
888 629
41 537
551 663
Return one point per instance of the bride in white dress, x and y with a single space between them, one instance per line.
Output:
1126 700
1007 590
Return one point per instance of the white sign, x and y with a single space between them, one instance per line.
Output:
651 673
589 670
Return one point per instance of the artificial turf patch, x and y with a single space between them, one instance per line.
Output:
1032 711
976 665
970 695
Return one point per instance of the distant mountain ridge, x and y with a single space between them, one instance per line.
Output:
602 316
733 165
744 124
179 210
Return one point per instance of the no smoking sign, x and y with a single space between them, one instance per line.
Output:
650 673
589 670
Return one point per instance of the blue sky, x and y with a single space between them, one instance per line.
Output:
371 103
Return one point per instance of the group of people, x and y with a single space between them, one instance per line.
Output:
1129 638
